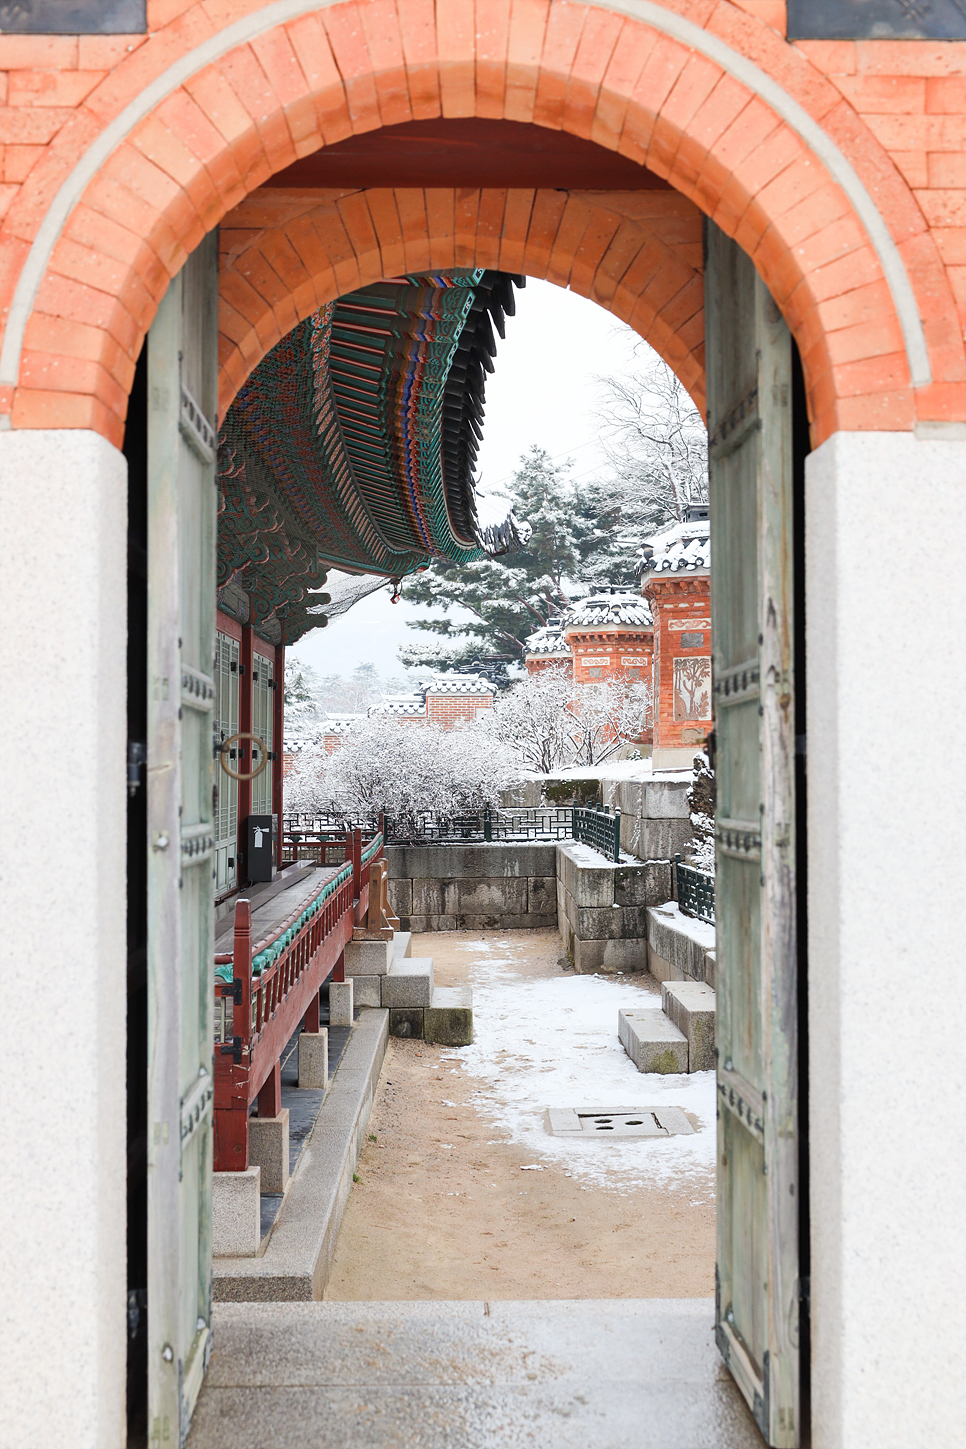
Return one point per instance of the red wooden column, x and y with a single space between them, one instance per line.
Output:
278 746
270 1094
233 1058
246 664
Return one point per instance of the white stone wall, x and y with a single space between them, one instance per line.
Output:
63 601
886 663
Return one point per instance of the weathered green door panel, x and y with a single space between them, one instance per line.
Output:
749 368
182 354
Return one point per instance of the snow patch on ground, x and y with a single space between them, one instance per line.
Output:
553 1043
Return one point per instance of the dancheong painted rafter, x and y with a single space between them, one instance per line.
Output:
353 443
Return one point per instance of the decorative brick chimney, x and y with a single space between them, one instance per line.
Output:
610 636
676 581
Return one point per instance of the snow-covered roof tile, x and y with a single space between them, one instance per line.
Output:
403 704
682 548
460 684
548 640
340 724
609 611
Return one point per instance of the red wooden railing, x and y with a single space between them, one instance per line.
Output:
265 1005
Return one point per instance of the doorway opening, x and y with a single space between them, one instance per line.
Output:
668 240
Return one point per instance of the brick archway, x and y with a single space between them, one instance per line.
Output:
284 254
744 126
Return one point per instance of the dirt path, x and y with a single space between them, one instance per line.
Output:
444 1206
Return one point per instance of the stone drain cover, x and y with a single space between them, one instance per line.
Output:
609 1122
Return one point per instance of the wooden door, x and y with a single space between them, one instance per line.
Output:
749 369
226 786
182 442
263 713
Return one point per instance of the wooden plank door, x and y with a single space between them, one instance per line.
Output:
749 370
182 442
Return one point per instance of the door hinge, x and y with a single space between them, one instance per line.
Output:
137 753
233 1047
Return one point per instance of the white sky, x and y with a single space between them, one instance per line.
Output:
542 392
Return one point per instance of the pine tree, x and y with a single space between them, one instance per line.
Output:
511 596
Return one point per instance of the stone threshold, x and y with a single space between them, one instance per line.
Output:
295 1263
590 1374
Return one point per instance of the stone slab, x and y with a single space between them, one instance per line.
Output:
236 1213
314 1059
449 1020
341 1002
367 990
622 1373
690 1005
590 885
401 897
409 983
407 1022
500 923
467 862
541 895
663 839
667 799
645 885
427 896
653 1043
678 948
402 945
268 1149
368 958
296 1260
607 957
562 1120
615 923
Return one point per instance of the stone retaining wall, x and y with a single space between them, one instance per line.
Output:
655 815
602 907
679 948
471 887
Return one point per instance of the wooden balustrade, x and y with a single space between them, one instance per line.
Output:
274 987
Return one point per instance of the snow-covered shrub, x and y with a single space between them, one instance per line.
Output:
554 722
404 770
533 719
701 798
603 716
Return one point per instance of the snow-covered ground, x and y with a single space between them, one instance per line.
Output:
552 1042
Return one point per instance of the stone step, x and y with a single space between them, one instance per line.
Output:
402 945
408 983
690 1006
653 1043
449 1018
368 958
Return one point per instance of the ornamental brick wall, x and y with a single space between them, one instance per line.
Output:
539 663
448 710
681 607
95 222
627 654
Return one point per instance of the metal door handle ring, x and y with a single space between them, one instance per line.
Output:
240 774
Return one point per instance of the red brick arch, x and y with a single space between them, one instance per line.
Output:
284 254
234 120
